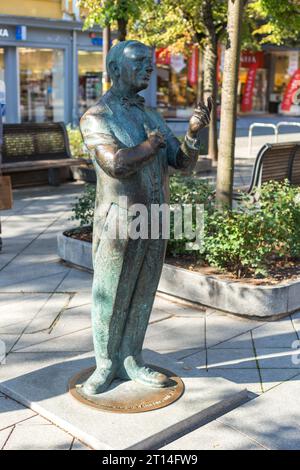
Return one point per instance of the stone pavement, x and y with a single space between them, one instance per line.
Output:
45 319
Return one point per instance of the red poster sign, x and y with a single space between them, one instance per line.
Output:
291 91
193 67
249 88
252 59
163 56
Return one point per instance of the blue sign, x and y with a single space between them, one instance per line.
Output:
97 42
21 33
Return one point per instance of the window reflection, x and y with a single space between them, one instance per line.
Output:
41 84
90 78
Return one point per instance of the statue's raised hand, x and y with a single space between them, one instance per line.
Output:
200 117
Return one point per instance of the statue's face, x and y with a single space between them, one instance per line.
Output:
136 66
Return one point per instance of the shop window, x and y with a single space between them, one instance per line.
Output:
177 78
41 85
90 69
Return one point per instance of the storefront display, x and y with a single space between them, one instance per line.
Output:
252 82
90 69
41 85
286 81
177 78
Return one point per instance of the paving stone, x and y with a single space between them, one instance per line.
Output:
214 436
31 313
179 308
45 389
275 335
272 419
77 445
12 412
4 435
231 358
273 377
38 437
195 366
79 341
243 341
81 299
158 315
20 271
278 358
220 328
41 284
81 279
18 364
183 335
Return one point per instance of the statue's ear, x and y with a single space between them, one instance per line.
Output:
113 69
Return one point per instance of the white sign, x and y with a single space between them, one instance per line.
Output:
293 62
4 33
177 62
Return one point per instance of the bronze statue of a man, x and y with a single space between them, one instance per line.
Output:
131 147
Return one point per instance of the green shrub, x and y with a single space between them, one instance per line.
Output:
84 206
245 240
78 149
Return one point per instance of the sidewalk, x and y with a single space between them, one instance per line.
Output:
45 319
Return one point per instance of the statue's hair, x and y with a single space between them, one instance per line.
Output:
115 54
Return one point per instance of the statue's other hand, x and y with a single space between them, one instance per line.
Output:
156 139
201 116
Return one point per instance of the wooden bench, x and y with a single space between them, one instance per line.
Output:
275 162
41 148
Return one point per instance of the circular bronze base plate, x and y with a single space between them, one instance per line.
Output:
128 396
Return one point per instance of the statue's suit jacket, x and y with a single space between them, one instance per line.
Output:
110 122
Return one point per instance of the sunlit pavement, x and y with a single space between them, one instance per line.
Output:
45 317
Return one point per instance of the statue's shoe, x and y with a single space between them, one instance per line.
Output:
144 375
98 382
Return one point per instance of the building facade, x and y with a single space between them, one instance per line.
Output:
50 70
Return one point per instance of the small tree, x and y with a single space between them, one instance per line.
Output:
112 12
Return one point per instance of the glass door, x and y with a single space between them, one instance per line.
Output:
41 84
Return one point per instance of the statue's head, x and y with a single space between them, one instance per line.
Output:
130 63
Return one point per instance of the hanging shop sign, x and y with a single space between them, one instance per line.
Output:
292 93
177 62
251 59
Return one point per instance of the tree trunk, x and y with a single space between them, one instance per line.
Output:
229 104
106 47
122 29
210 89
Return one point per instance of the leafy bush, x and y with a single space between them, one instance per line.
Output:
77 147
245 240
84 207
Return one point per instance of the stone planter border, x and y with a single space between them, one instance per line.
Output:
241 299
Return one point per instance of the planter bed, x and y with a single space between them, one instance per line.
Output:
232 296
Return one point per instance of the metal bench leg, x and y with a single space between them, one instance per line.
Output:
54 176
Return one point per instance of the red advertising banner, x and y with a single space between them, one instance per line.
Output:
163 56
292 90
246 105
193 67
250 59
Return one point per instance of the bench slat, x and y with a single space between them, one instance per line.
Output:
42 165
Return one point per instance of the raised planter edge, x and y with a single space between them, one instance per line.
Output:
232 297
